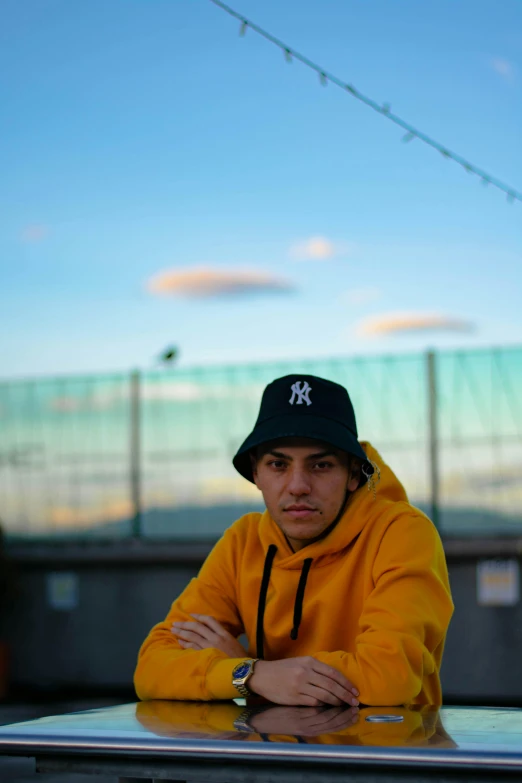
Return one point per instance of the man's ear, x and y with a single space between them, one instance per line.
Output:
253 462
354 475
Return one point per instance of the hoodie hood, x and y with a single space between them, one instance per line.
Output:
362 507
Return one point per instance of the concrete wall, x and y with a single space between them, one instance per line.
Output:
124 588
483 654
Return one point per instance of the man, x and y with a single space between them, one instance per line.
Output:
340 586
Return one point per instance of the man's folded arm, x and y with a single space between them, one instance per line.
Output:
167 671
404 619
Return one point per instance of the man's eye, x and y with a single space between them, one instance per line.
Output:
323 465
277 464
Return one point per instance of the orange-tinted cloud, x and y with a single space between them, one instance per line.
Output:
410 323
313 249
206 282
318 249
33 233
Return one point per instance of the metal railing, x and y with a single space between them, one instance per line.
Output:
149 453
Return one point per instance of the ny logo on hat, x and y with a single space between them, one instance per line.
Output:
302 394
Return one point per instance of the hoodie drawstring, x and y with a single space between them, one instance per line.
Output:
298 606
269 559
299 596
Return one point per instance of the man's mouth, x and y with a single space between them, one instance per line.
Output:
299 510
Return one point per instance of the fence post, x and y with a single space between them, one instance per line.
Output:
135 452
433 443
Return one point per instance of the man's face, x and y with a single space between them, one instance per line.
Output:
304 484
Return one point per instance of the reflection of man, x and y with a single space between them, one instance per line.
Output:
223 720
340 586
418 726
299 721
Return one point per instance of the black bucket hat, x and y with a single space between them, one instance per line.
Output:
304 406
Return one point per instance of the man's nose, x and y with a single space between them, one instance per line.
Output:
299 483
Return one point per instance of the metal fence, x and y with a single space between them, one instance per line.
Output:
149 453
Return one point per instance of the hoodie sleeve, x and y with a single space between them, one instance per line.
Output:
404 620
167 671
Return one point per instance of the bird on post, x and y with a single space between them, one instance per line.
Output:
169 355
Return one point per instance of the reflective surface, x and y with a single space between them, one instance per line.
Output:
452 736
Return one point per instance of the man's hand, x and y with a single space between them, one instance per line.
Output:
206 632
296 681
303 721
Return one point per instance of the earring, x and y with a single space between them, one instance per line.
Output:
372 479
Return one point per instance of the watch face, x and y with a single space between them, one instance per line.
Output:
241 670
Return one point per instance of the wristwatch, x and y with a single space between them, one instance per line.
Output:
241 722
241 674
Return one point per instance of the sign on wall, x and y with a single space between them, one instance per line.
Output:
62 590
498 582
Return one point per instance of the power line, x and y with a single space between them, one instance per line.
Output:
383 109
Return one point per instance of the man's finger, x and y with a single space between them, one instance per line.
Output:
309 713
190 645
323 695
213 624
342 721
191 636
189 625
324 716
333 674
197 628
332 686
339 718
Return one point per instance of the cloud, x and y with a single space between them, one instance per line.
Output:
205 282
360 296
411 323
503 67
317 249
34 232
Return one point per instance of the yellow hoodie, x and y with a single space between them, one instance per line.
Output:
376 604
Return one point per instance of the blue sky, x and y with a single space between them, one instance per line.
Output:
144 136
